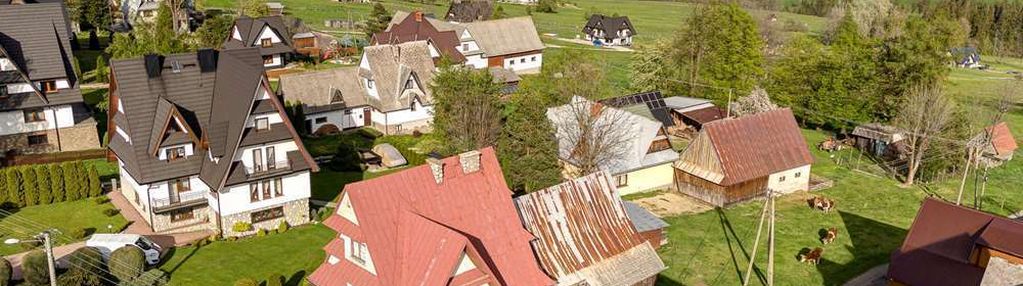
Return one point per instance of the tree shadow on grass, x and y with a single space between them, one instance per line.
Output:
295 279
170 253
871 244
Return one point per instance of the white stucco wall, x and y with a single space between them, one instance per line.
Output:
6 64
13 122
280 152
271 118
407 115
127 181
649 179
235 199
796 179
531 62
189 150
476 61
266 33
277 60
338 118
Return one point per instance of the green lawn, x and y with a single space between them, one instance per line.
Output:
64 216
87 58
293 254
93 97
327 184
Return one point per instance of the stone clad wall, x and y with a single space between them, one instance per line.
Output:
75 138
203 220
295 213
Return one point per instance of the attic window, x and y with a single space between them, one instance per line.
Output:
409 84
262 124
49 86
3 91
359 252
337 98
266 42
175 153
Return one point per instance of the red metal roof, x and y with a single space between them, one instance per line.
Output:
581 224
938 246
413 29
758 145
1001 139
416 229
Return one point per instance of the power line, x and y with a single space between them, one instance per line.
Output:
90 263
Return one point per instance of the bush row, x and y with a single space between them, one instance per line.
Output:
48 183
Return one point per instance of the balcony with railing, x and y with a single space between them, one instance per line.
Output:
268 168
179 200
240 173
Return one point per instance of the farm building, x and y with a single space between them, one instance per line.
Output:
649 226
647 154
584 235
955 245
692 113
1001 147
733 160
878 139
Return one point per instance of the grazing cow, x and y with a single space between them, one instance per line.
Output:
822 203
813 257
830 235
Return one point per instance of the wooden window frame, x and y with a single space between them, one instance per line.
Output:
266 124
49 86
266 190
268 59
182 215
271 158
180 185
278 187
3 91
46 139
359 252
622 180
253 192
266 42
781 179
257 160
175 153
34 115
465 47
798 174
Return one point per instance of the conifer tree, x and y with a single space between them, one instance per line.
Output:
43 184
30 186
56 182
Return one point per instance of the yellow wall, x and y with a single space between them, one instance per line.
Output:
649 179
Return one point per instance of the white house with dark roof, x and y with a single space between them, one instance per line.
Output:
41 107
269 34
388 91
203 144
609 30
510 43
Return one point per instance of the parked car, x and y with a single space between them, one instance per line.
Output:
107 243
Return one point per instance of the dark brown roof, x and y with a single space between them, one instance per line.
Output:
941 239
413 29
610 25
215 104
35 38
464 11
757 145
705 115
249 29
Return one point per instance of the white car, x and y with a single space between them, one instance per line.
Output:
107 243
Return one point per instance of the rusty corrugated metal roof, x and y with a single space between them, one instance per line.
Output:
584 234
1001 139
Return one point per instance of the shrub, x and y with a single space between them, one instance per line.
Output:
34 268
30 244
323 214
126 263
13 186
95 186
43 184
282 227
102 73
241 226
260 232
5 272
153 277
29 186
346 159
370 133
275 280
101 200
246 282
76 277
72 181
111 212
56 182
77 233
88 259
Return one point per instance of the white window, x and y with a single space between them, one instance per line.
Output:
262 124
799 174
622 180
532 59
465 47
175 153
369 83
781 179
359 252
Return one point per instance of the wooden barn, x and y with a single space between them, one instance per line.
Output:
879 140
733 160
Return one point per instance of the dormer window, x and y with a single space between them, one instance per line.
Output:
337 98
359 252
175 153
262 124
268 59
266 42
369 83
49 86
409 84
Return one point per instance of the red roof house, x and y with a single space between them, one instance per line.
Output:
736 159
418 28
1001 147
448 222
955 245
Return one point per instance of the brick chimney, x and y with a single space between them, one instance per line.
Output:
437 167
419 16
470 161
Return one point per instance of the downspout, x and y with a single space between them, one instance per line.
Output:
56 128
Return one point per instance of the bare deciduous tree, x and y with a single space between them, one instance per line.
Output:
593 136
756 102
925 113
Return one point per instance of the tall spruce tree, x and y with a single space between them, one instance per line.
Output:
56 182
71 181
378 20
527 147
95 185
43 183
13 187
30 186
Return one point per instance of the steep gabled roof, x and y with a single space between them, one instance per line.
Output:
166 114
315 90
746 148
413 226
610 25
249 30
390 66
1002 141
938 248
465 11
581 225
410 29
35 37
505 36
214 105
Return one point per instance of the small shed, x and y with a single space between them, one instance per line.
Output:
389 156
697 118
650 227
1001 147
878 139
276 8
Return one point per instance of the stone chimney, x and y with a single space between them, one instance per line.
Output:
470 161
437 167
419 16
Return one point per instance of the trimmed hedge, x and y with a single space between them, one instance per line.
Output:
45 184
126 263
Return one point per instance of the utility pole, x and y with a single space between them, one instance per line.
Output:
770 247
966 172
756 243
728 107
49 257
